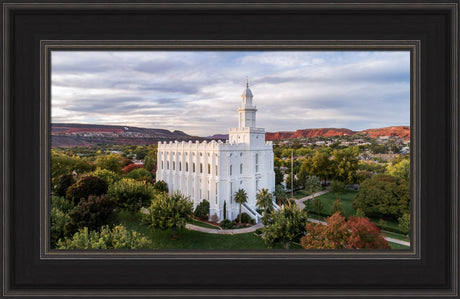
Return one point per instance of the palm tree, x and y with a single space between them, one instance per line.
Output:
241 197
264 200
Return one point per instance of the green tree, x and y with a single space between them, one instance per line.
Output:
279 176
312 184
344 165
240 197
400 169
404 223
86 186
285 226
139 173
383 196
131 194
117 238
64 164
110 162
169 212
280 194
317 205
161 186
337 207
63 183
338 187
265 201
359 213
202 210
149 163
109 176
319 165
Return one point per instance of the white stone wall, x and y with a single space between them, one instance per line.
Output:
175 167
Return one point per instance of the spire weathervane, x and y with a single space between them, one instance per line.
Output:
247 82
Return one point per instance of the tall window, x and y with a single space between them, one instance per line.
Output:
201 167
209 168
174 165
231 192
241 168
217 170
194 167
180 166
162 166
167 165
257 162
231 166
186 166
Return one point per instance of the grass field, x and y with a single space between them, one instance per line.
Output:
301 194
398 246
346 199
204 224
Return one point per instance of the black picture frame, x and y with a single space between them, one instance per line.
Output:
430 268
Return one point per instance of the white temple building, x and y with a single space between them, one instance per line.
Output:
216 170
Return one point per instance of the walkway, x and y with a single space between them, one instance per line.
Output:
223 231
300 201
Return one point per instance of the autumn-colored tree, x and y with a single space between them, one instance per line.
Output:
400 169
131 167
337 233
365 234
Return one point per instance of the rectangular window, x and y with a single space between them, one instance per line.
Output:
193 167
186 166
241 168
167 165
174 165
162 166
201 167
180 166
231 169
216 170
231 192
209 168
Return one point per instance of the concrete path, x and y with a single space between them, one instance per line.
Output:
223 231
300 201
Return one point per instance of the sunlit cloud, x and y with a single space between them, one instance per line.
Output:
198 92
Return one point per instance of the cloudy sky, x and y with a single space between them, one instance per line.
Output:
198 92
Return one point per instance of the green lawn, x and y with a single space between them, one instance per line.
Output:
203 224
346 198
398 246
395 236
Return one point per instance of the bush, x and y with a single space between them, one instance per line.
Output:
161 186
86 186
226 224
131 194
63 183
109 176
117 238
202 210
245 218
404 223
338 187
139 173
61 203
131 167
92 213
59 220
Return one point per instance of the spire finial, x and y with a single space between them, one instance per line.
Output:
247 82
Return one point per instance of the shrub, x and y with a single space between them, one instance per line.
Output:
131 167
245 218
117 238
131 194
214 218
202 210
63 182
161 186
61 203
404 223
338 187
139 173
59 219
109 176
169 212
86 186
337 207
226 224
110 162
93 212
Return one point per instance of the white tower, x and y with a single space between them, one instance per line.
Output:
247 112
247 133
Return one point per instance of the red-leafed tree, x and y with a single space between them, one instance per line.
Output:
356 233
365 234
131 167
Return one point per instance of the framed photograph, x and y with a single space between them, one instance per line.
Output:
204 149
